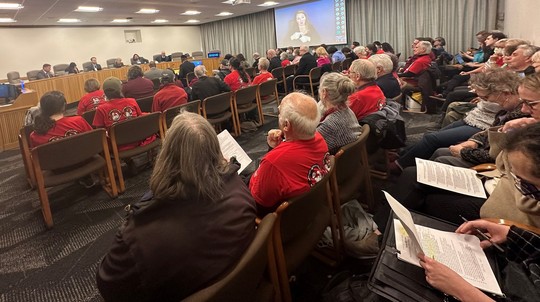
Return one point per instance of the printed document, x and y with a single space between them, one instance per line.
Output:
447 177
229 147
460 252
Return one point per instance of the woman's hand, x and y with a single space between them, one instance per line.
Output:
274 138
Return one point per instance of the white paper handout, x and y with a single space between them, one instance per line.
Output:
229 147
460 252
447 177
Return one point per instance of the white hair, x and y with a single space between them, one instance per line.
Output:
382 60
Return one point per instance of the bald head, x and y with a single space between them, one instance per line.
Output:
199 71
304 49
298 116
270 53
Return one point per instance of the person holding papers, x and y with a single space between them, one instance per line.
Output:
522 248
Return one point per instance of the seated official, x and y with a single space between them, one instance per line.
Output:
137 60
520 269
264 75
368 97
385 78
238 78
51 124
190 230
72 68
117 109
118 63
338 125
206 86
93 98
137 86
94 66
163 57
169 95
300 156
45 72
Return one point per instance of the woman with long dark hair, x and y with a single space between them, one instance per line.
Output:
238 78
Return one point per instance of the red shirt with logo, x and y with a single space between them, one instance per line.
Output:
234 81
263 77
289 170
367 99
64 127
90 101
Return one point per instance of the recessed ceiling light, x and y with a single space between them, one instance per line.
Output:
269 3
160 21
69 20
190 12
89 9
7 20
148 11
193 21
11 6
120 21
222 14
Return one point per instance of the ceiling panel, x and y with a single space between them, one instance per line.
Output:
47 12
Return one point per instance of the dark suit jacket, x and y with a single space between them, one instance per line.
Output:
307 62
164 59
185 68
44 75
91 67
208 86
275 62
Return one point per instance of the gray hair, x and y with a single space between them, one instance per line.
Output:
382 60
199 71
301 111
528 50
283 56
264 63
91 85
338 88
365 69
426 45
190 165
360 50
496 80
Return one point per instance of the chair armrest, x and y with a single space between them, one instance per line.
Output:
484 167
510 223
299 76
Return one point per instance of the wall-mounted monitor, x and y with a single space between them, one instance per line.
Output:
312 23
214 55
196 63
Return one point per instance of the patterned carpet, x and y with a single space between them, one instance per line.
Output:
37 264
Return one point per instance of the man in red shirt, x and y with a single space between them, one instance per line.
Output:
299 159
422 51
169 95
264 75
368 97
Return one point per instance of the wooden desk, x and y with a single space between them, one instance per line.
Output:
12 119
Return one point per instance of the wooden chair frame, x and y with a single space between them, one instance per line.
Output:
231 105
261 97
313 80
252 92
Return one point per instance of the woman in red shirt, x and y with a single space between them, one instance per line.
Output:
264 75
238 78
93 98
51 124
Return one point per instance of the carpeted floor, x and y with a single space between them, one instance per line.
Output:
59 264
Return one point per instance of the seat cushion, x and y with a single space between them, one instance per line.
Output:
54 178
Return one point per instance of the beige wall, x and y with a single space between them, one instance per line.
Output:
26 49
520 20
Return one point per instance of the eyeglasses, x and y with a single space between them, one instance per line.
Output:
530 104
526 188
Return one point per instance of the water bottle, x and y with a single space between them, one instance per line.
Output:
22 86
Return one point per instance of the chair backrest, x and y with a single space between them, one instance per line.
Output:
336 66
315 74
251 71
60 68
171 113
246 95
352 170
14 77
289 70
24 146
145 103
199 54
86 65
32 75
189 77
136 129
175 56
110 62
346 64
89 116
268 88
242 282
217 104
277 73
156 57
69 151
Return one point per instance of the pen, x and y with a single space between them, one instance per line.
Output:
486 237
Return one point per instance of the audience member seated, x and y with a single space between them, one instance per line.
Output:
163 57
322 57
284 57
118 63
520 60
338 125
117 108
368 97
256 57
520 266
51 124
297 56
186 67
421 63
94 66
153 73
72 68
45 72
275 62
238 78
385 79
223 70
93 98
492 87
306 63
169 95
206 86
192 227
137 87
243 60
387 48
335 54
136 60
299 159
361 52
264 75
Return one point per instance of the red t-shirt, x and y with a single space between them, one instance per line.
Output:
367 99
64 127
118 110
419 65
90 101
168 96
285 63
263 77
289 170
234 81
